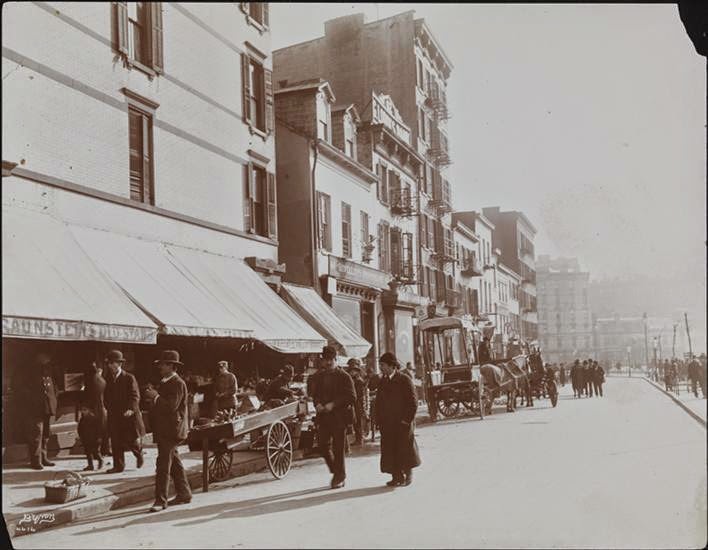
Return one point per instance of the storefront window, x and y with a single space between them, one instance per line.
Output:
348 311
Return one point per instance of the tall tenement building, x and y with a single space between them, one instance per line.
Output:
565 323
513 235
395 61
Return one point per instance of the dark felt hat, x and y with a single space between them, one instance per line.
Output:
114 355
169 356
389 358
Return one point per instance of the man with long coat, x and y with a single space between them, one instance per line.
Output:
361 405
332 391
169 418
598 379
576 376
36 397
396 405
125 421
95 391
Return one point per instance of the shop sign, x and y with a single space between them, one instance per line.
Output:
51 329
346 270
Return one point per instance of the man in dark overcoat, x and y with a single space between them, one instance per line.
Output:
598 378
576 377
94 400
396 406
484 353
333 393
35 392
361 406
169 418
125 421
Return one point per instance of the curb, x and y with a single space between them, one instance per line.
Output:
693 414
103 504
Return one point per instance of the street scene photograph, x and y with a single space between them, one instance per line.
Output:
354 275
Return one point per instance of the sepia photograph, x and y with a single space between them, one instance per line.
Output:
354 275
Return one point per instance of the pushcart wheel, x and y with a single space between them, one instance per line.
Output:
279 450
448 406
220 465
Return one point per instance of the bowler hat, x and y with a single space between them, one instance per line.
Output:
328 352
169 356
389 358
114 356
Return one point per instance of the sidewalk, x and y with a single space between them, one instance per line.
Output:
23 488
695 406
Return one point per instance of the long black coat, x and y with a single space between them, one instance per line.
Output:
123 394
396 405
95 391
343 397
35 396
168 417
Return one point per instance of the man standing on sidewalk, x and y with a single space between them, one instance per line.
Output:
169 418
395 414
334 395
125 421
694 374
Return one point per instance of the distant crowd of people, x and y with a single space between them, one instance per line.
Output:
673 371
587 378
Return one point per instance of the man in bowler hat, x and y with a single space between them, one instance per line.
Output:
333 393
396 405
169 420
125 421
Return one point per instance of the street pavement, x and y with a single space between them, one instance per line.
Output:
624 471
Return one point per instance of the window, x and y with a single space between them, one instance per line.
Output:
324 217
259 205
422 130
138 33
419 74
384 247
257 14
257 94
140 147
323 118
365 239
382 187
346 230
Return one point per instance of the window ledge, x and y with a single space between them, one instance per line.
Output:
132 63
257 131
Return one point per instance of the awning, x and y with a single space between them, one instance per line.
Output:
51 289
196 293
315 310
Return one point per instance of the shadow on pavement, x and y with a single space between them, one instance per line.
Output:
246 508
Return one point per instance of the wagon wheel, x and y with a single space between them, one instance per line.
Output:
279 450
220 465
448 406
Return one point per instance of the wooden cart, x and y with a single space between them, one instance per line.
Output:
217 441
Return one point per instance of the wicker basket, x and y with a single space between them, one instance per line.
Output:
61 492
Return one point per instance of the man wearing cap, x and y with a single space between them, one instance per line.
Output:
169 418
485 355
333 393
226 387
278 388
125 422
396 406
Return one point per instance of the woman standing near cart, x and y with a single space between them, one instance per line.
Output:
396 406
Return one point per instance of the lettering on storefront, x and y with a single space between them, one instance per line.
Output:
51 329
346 270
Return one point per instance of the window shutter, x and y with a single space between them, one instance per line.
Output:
408 255
328 222
266 16
272 207
249 221
269 111
147 173
396 251
384 184
440 284
246 86
381 247
120 11
156 51
244 7
395 188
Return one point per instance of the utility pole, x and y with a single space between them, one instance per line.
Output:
688 333
673 345
646 340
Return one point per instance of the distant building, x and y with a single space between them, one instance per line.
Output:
564 315
619 339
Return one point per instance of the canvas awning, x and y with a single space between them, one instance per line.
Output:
197 293
322 317
52 290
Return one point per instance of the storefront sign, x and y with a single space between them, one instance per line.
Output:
49 329
346 270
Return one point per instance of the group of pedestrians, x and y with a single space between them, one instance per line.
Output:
587 378
692 370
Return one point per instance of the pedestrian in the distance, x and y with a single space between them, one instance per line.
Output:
94 399
598 379
361 406
694 374
576 376
396 405
333 394
170 423
225 387
125 421
562 374
484 353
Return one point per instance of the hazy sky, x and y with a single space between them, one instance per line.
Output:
589 118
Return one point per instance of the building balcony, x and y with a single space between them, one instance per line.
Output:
404 273
471 267
403 203
439 152
442 196
453 298
437 101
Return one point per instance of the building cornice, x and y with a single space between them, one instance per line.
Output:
334 154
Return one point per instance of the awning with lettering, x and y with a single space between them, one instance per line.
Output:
196 293
51 289
322 317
